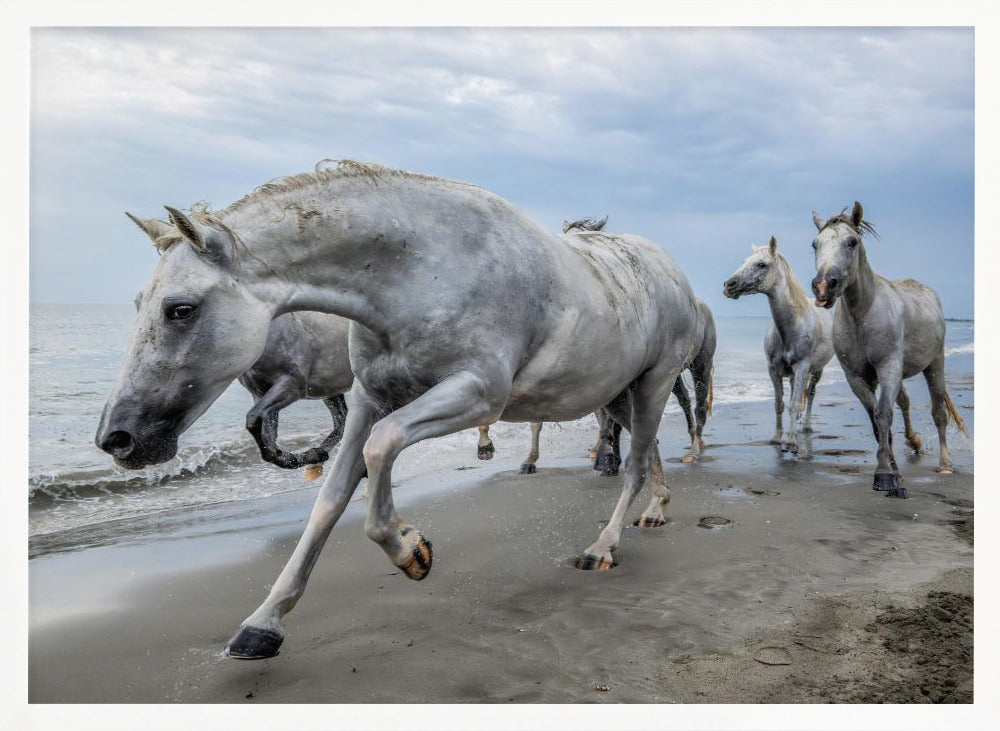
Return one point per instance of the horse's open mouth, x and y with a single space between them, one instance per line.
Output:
827 303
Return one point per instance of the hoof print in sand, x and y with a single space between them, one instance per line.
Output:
773 656
713 521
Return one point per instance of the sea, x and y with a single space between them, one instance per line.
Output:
74 358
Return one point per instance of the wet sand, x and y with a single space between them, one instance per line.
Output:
773 581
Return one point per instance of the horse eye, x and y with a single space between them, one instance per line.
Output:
179 312
852 243
761 265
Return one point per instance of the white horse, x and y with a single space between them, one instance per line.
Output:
798 343
883 331
464 311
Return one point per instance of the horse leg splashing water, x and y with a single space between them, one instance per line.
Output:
883 331
463 311
798 343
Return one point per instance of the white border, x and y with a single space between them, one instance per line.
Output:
16 18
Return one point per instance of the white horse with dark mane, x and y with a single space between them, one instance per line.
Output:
883 331
799 340
463 311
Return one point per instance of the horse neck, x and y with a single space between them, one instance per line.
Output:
859 296
332 266
786 299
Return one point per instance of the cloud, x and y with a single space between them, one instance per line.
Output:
654 126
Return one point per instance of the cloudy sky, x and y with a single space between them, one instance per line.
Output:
703 140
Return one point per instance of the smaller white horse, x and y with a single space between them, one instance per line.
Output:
798 343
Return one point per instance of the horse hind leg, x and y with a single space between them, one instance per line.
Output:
912 437
779 405
608 458
528 467
684 400
703 401
934 375
485 448
262 422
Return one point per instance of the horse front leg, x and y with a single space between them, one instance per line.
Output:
261 633
528 468
459 402
934 375
810 397
887 477
651 392
779 402
485 448
799 382
262 421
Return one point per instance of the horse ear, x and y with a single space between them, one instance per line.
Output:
774 246
154 228
565 225
857 215
203 238
818 220
599 226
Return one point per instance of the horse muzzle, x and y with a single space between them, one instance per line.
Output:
825 289
731 289
131 448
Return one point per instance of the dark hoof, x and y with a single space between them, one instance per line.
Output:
808 430
486 452
790 447
607 465
315 456
886 482
527 469
648 522
418 566
251 643
588 562
899 492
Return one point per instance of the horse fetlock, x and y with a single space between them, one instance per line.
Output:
255 643
418 553
916 442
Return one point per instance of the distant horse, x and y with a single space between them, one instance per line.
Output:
883 331
463 311
799 340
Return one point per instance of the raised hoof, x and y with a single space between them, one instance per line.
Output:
590 562
418 565
916 444
252 643
646 521
886 482
315 456
607 465
527 469
486 451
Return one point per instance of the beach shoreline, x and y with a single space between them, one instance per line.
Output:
686 616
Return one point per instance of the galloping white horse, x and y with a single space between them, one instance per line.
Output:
883 331
463 311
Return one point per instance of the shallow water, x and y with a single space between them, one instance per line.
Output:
75 354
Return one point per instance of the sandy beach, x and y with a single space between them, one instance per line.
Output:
773 581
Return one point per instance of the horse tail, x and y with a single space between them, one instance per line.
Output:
955 416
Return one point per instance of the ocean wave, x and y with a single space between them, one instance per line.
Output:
963 349
46 489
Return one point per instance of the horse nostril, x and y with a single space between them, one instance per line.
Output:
118 444
832 283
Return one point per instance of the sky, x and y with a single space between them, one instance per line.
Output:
703 140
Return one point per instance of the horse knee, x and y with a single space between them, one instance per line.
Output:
384 442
